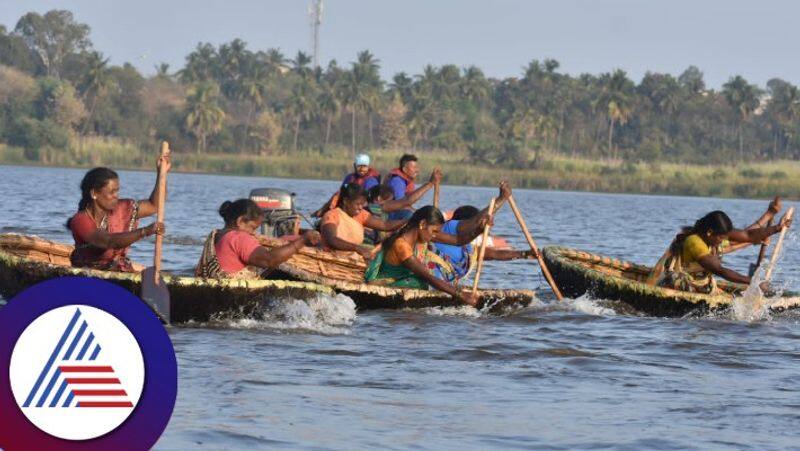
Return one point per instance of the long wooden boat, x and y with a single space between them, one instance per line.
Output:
344 272
577 273
27 260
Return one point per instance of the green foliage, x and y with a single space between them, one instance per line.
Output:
545 128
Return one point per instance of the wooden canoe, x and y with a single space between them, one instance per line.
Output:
27 260
577 273
344 272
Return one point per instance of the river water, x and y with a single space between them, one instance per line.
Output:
580 374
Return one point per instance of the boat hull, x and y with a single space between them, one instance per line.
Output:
25 261
578 273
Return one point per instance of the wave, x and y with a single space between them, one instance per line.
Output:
323 314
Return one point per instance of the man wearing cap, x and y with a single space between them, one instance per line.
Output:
362 174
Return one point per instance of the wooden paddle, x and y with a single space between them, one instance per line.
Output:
154 289
761 253
532 244
436 195
482 249
774 260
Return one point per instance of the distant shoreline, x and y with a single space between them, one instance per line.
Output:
752 181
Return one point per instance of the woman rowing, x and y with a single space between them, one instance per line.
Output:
105 226
694 257
407 259
235 252
342 228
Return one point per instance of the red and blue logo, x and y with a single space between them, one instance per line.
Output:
89 367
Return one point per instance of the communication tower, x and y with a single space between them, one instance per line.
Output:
315 16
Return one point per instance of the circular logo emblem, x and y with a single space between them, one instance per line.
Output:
77 372
90 367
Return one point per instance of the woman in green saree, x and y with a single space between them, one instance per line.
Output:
407 260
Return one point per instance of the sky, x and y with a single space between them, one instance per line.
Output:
758 40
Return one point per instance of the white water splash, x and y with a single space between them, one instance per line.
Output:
589 306
464 311
751 305
330 315
495 308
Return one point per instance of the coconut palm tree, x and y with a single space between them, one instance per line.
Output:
330 106
253 89
95 84
300 107
615 98
743 98
201 65
474 85
204 117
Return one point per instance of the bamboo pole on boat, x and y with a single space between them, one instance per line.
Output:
774 259
482 249
436 195
535 250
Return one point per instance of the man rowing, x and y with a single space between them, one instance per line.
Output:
363 175
401 181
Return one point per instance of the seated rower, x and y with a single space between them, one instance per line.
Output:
462 259
342 228
362 175
406 259
401 181
694 257
234 252
105 226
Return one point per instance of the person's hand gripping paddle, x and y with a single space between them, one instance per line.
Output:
154 289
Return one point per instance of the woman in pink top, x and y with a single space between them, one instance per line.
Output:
234 252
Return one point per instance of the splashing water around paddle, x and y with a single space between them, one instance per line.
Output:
753 304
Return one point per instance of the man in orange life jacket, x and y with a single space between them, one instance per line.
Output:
362 174
401 181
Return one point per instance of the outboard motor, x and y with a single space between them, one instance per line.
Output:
280 217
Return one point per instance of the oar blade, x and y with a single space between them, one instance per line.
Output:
155 294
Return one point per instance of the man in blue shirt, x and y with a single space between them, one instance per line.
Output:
401 181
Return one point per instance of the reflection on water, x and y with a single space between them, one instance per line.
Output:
580 374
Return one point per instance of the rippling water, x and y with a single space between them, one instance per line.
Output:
580 374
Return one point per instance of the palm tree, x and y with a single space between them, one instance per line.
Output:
300 107
360 90
201 65
301 66
204 116
401 85
615 98
162 71
95 83
783 110
329 106
366 68
743 98
474 85
253 89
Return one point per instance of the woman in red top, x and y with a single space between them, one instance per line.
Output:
105 226
234 252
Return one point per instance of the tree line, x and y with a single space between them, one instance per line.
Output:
56 90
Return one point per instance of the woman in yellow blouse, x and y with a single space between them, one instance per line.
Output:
695 255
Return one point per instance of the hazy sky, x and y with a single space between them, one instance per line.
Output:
758 40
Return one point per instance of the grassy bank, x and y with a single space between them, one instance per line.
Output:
759 180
